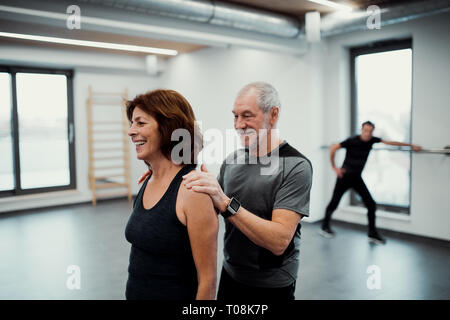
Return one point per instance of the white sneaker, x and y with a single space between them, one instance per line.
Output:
326 233
376 238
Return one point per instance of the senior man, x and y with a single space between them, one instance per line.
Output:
262 207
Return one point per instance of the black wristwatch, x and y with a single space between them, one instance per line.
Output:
232 208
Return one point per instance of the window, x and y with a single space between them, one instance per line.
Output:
36 131
381 92
6 160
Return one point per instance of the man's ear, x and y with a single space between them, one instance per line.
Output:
274 115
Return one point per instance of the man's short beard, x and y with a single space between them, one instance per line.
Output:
261 138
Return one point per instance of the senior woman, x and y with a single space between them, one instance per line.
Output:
172 230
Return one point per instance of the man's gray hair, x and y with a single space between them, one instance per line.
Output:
266 95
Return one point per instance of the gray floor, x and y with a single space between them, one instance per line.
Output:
36 248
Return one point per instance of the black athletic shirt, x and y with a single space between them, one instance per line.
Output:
357 153
161 263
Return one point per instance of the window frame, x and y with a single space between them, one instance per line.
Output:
376 47
69 73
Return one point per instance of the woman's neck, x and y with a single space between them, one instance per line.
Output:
162 168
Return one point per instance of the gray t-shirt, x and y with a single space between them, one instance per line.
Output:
260 190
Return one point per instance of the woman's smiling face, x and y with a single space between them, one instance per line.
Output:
144 134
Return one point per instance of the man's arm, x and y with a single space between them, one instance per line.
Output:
273 235
339 171
402 144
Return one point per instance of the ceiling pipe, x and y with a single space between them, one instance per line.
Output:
243 18
262 22
213 12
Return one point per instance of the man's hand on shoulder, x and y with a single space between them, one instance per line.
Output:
144 176
205 182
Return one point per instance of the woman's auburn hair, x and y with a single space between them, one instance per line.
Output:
171 111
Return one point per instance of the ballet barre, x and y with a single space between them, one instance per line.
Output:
445 150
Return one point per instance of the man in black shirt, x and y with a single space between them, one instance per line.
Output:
349 176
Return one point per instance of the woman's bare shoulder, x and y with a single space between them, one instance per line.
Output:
195 202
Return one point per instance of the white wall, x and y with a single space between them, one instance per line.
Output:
105 72
211 78
430 201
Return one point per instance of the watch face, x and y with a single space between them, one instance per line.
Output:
234 204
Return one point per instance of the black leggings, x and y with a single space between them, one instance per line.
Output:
232 290
342 185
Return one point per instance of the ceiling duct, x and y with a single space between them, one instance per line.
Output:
258 21
213 12
243 18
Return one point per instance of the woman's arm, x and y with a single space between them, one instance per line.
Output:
203 225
